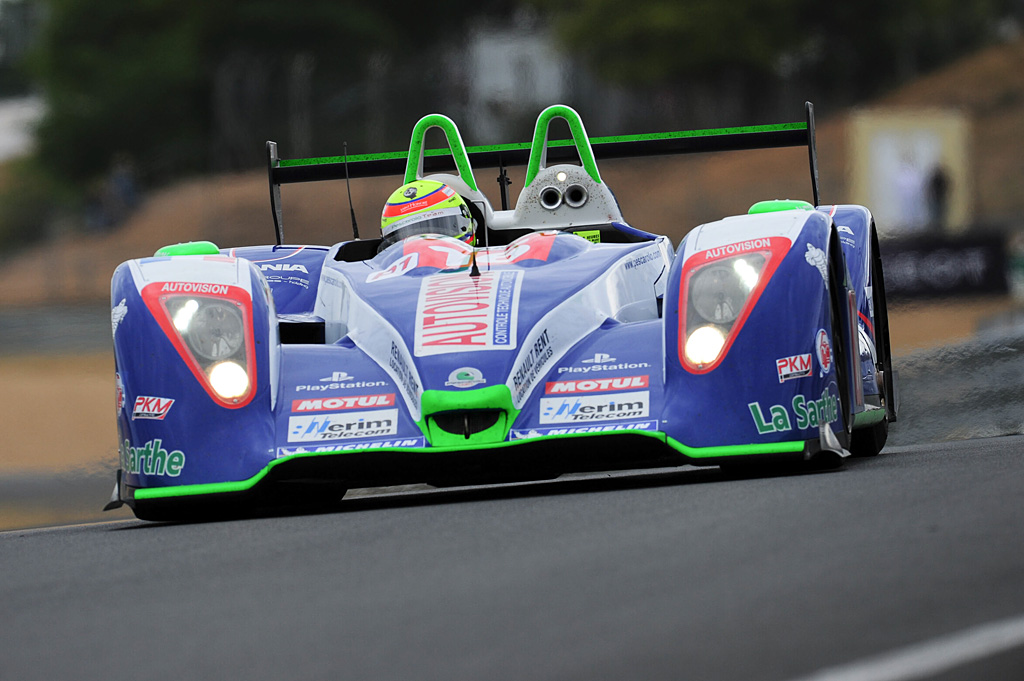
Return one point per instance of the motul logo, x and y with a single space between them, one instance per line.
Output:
796 366
597 385
339 403
155 408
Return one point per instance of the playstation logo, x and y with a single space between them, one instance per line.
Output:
336 377
599 358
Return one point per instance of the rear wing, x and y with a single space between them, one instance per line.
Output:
288 171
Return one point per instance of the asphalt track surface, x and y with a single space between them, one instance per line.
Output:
684 575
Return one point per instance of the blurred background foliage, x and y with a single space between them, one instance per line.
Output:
166 88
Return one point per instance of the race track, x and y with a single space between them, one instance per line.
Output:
685 575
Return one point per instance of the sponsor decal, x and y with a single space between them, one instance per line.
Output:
573 430
531 364
338 385
194 287
458 313
343 426
347 402
737 248
599 358
622 366
117 313
405 376
846 240
337 376
407 262
118 391
432 199
466 377
446 253
808 414
641 260
284 267
351 446
823 349
147 407
593 385
594 407
816 258
796 366
152 459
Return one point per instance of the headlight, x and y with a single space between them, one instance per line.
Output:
718 296
216 331
719 291
704 345
211 329
229 379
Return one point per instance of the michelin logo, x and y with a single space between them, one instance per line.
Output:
576 430
351 446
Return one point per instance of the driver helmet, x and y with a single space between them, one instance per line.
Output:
426 207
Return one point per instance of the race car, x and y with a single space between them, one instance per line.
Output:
563 339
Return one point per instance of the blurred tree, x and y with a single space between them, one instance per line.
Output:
186 85
746 50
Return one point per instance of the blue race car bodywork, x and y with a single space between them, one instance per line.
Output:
565 341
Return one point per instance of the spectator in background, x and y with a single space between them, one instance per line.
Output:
910 189
938 199
111 200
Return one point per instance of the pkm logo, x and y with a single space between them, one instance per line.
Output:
147 407
796 366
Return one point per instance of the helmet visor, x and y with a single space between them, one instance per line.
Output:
446 222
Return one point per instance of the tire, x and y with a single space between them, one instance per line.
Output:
837 306
869 441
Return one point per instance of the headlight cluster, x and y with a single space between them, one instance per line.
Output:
717 295
214 330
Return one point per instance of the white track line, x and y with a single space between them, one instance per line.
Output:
931 657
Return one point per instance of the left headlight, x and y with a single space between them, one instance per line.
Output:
213 335
214 329
718 296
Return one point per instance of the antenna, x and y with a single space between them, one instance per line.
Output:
503 182
812 152
348 187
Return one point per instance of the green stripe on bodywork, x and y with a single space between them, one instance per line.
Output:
868 418
710 132
736 450
189 248
151 493
776 205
